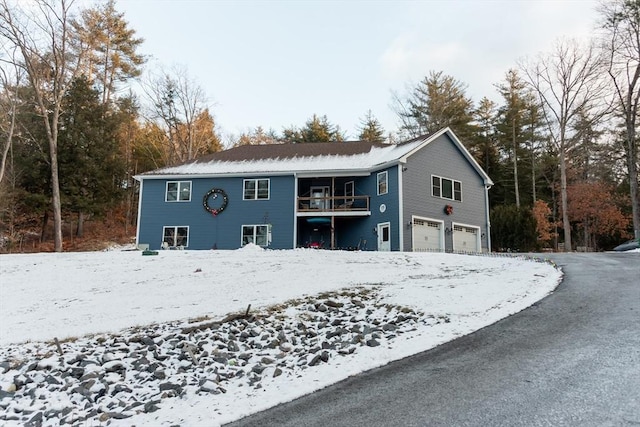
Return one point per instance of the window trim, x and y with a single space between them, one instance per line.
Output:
166 191
175 233
256 188
440 187
255 229
386 181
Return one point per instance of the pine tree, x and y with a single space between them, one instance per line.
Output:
438 101
91 170
110 48
370 128
511 126
316 129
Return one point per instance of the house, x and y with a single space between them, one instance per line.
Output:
426 194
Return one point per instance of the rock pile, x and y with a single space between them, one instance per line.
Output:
117 376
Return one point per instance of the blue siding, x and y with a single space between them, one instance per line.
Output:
224 230
364 229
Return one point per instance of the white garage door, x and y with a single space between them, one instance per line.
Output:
465 239
426 235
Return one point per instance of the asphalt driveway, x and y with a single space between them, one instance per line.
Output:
571 359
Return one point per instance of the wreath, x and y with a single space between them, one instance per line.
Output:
448 209
215 192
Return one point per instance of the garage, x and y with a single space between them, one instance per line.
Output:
427 235
466 238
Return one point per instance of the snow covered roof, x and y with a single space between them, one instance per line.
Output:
306 158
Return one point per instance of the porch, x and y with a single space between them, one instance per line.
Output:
333 205
330 212
334 196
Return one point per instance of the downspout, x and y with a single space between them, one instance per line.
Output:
400 210
295 211
486 198
139 214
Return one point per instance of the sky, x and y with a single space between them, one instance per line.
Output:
275 64
70 295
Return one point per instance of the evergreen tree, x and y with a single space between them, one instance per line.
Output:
370 128
316 129
257 136
438 101
511 126
92 171
110 48
513 229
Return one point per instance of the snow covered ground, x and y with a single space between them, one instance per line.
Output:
142 342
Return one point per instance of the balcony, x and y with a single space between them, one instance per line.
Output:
338 206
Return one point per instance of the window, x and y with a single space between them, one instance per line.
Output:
349 191
256 189
382 183
257 234
178 191
175 236
446 188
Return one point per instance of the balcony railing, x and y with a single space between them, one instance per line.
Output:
334 204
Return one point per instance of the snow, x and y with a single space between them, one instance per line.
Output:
67 295
375 157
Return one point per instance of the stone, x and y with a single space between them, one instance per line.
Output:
171 386
151 406
315 360
258 369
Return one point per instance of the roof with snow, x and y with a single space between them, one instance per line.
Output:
305 158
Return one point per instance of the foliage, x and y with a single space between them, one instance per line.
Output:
179 108
438 101
595 210
107 48
370 128
316 129
544 226
257 136
513 229
567 82
621 41
91 169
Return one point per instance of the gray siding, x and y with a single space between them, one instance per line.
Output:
224 230
443 158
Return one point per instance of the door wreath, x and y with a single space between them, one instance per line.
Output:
215 192
448 209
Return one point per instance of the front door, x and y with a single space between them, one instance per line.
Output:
320 198
384 236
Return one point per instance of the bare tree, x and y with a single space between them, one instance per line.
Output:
567 81
621 40
179 106
41 37
8 108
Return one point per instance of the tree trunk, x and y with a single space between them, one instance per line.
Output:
80 229
45 221
563 199
515 162
632 158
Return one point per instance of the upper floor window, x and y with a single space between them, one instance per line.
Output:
178 191
383 178
256 189
446 188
